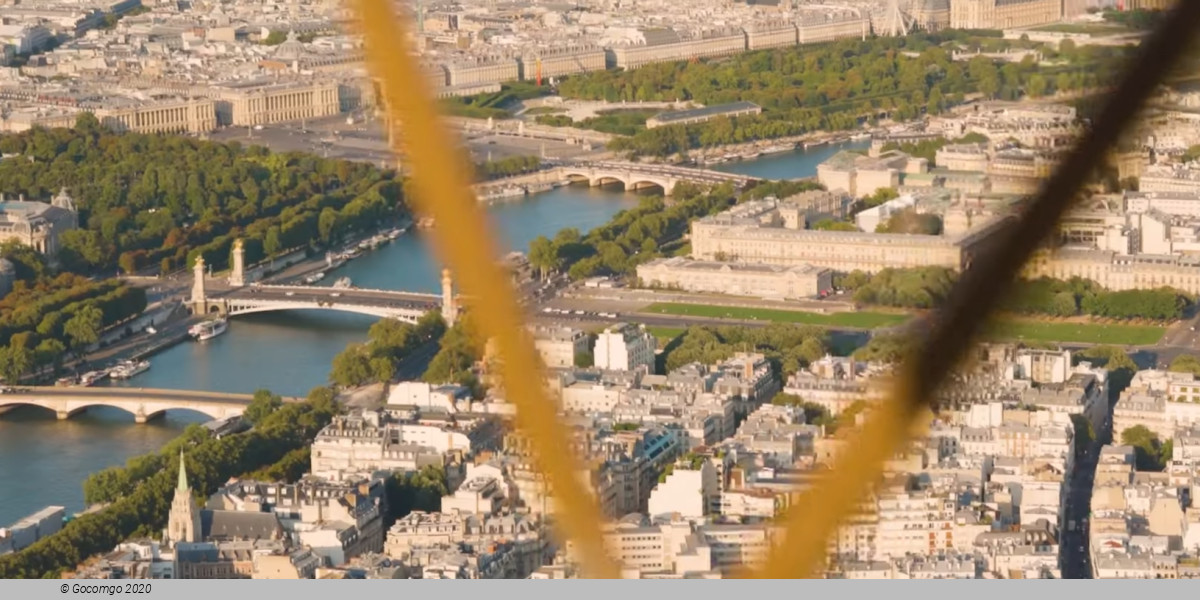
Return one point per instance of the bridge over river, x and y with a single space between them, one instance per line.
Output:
234 297
144 404
638 175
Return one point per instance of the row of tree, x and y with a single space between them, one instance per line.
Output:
632 236
507 167
46 316
789 347
150 200
837 86
617 122
1045 296
816 414
1150 453
928 287
458 351
389 341
141 499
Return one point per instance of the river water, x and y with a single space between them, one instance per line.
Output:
43 461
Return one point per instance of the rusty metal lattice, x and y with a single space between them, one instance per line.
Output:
463 241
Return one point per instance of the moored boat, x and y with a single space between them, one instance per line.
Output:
129 369
92 378
343 283
208 330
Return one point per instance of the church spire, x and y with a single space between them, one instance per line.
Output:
183 482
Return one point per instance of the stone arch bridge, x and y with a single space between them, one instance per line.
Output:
638 175
144 404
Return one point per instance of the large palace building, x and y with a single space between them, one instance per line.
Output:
1003 14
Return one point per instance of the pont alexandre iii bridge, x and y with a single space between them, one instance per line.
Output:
144 404
638 175
234 297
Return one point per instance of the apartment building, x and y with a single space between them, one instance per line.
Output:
625 347
738 279
1003 14
559 346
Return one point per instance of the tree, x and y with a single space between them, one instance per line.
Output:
275 38
50 352
1085 434
782 399
909 221
1150 453
543 256
1120 367
271 243
326 224
584 360
382 369
263 405
84 327
832 225
352 367
1037 86
415 490
1186 363
15 361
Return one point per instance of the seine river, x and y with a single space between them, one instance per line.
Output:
43 461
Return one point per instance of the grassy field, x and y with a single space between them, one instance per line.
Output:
861 320
1084 333
664 335
1084 28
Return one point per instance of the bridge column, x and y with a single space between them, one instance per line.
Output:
63 415
199 298
237 278
449 303
141 418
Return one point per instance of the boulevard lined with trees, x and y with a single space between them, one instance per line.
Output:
928 287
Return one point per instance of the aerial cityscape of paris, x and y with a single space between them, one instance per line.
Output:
231 349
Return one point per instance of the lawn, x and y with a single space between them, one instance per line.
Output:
664 335
861 320
1084 28
1084 333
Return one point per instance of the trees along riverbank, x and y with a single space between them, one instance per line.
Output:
47 316
140 493
162 200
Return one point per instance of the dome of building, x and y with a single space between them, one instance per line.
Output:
291 49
